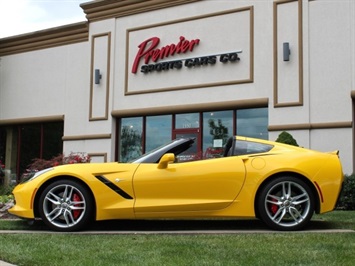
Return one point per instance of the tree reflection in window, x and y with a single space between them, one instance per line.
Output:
131 139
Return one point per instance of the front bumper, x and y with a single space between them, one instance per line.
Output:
23 207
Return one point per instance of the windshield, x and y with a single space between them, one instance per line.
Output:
151 152
176 146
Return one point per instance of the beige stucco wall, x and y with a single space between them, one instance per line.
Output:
309 96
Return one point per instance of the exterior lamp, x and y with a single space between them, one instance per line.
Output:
286 51
98 76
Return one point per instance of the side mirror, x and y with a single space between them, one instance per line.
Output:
165 160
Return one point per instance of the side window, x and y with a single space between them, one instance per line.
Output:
247 147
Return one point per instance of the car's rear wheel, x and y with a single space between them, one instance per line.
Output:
286 203
65 205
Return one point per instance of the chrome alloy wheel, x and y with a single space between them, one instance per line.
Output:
288 204
64 205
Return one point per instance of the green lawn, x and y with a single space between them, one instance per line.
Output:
245 248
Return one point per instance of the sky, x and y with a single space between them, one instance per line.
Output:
24 16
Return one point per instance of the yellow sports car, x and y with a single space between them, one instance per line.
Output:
280 184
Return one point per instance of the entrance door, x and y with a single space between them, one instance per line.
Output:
194 152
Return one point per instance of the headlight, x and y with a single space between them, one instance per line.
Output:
33 175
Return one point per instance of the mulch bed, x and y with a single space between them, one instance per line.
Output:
4 214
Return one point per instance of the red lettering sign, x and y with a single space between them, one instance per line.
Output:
148 51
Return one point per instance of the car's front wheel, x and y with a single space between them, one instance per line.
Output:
286 203
65 205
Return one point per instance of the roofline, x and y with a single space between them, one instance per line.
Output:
79 32
105 9
67 34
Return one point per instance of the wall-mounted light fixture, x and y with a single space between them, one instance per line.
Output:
98 76
287 51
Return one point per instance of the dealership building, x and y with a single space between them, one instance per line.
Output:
137 74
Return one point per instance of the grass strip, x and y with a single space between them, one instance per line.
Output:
243 249
271 248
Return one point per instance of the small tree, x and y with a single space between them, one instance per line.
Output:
286 138
131 144
217 131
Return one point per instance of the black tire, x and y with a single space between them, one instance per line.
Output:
66 206
286 203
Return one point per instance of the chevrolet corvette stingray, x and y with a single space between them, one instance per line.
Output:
280 184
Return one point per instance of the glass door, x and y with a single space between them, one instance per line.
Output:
188 126
194 153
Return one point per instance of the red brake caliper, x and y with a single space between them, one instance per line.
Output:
274 207
76 213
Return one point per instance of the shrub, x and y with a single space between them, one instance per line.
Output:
74 157
5 199
5 195
6 189
40 164
347 197
286 138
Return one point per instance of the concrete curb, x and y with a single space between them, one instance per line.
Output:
178 232
3 263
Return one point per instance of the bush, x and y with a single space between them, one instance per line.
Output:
74 157
6 189
347 197
5 194
40 164
286 138
5 199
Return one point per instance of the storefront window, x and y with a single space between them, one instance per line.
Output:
253 123
217 127
2 146
211 133
30 145
158 131
52 139
131 138
185 121
37 141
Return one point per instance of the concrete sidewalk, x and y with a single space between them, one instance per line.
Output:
3 263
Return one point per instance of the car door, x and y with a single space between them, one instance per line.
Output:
188 186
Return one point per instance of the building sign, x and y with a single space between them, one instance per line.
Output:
189 53
149 52
150 55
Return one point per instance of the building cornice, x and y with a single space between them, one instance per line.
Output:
32 120
105 9
186 108
63 35
79 32
310 126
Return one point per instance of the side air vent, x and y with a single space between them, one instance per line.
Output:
115 188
